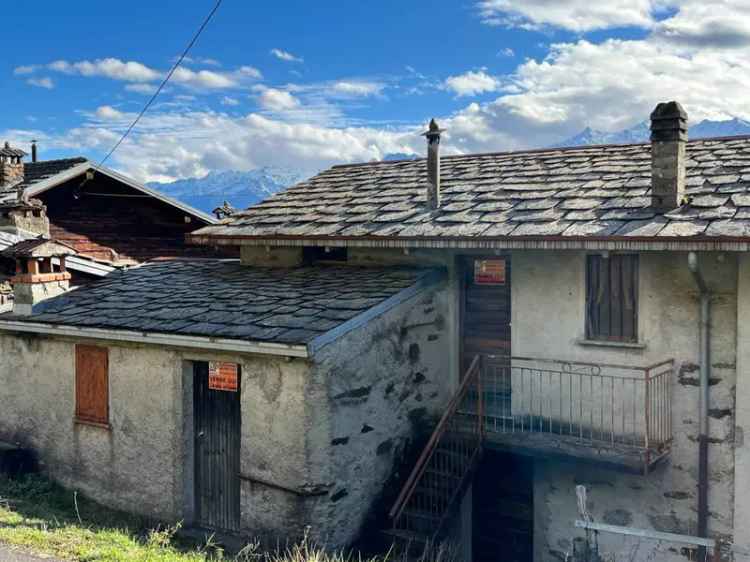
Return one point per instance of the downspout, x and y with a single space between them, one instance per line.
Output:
705 371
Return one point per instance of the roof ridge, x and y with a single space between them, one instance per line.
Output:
533 151
82 159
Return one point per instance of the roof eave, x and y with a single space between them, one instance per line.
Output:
79 169
156 338
632 243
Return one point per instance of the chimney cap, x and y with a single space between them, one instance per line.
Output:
433 130
669 110
8 150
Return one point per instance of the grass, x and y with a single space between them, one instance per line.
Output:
41 517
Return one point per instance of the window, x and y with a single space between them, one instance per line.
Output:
612 297
314 254
92 384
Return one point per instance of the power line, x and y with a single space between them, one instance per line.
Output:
164 82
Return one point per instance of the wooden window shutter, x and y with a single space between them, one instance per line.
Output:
612 297
92 384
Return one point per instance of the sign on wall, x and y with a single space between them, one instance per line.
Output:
489 272
223 376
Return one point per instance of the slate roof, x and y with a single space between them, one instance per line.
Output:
585 192
224 299
34 172
30 247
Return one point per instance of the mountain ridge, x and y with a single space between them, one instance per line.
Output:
640 133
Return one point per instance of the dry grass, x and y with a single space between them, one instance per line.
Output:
41 517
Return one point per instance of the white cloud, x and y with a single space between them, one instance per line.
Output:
574 15
506 52
285 55
272 99
203 79
113 68
25 69
198 60
226 100
109 113
171 145
42 82
698 24
248 72
146 89
141 77
356 88
472 83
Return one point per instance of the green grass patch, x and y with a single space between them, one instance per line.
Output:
41 517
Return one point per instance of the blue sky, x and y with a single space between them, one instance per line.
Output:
307 84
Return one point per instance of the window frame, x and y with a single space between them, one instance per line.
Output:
85 356
617 297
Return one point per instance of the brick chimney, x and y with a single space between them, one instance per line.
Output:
11 166
433 164
668 140
37 276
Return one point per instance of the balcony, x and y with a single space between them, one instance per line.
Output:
617 415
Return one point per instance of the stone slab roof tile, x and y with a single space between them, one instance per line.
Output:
224 299
532 193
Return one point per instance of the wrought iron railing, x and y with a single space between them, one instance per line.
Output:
617 406
446 463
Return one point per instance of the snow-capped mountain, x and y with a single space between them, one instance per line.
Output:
640 133
240 189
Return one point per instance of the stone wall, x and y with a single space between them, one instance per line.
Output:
742 415
375 391
548 321
132 466
143 463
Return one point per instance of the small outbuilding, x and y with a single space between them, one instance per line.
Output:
249 400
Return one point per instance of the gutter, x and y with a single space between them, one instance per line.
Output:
155 338
705 372
209 235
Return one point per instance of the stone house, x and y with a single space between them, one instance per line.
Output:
549 318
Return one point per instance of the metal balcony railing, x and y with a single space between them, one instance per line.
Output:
573 408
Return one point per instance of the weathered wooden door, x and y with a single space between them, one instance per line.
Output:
485 327
217 453
485 307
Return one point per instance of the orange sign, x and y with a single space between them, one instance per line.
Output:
489 272
223 376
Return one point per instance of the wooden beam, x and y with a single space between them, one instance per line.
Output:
646 534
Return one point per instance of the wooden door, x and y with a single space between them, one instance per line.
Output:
217 452
485 327
485 307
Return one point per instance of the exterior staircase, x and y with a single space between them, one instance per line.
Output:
444 470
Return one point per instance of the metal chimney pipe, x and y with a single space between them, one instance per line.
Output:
433 164
33 150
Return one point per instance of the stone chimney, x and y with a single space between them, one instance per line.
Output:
668 140
11 166
40 272
433 164
24 216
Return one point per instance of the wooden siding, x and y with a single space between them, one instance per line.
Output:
107 220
